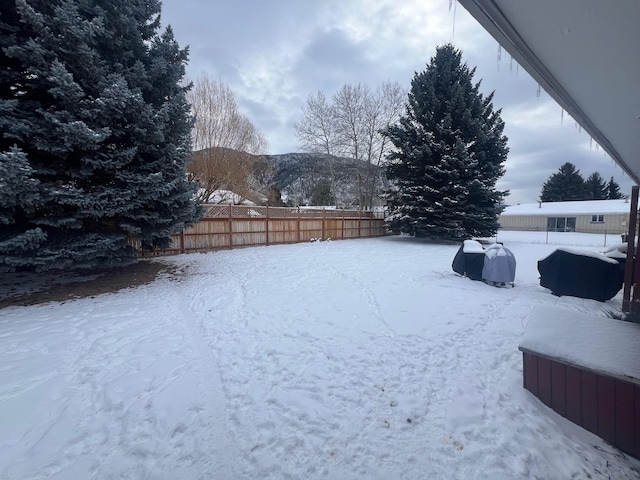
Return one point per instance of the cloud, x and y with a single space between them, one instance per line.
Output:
274 54
331 60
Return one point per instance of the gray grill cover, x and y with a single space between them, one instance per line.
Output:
499 265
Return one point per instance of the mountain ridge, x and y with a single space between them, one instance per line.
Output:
302 178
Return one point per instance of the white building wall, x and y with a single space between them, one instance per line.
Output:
523 222
614 223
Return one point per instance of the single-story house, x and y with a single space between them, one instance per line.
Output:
589 216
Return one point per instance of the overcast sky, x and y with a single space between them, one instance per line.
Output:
274 53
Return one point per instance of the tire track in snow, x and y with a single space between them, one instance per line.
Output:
197 316
222 318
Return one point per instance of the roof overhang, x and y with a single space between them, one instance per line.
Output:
586 55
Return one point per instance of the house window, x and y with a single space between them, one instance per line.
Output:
561 224
597 218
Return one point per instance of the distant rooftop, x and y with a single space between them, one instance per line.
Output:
586 207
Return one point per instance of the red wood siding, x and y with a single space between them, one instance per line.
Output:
606 406
589 401
573 408
558 388
544 380
624 428
530 368
636 423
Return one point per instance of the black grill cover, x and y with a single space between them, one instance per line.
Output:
469 264
583 275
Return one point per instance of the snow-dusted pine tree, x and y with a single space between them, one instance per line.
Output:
449 154
596 187
566 185
613 190
95 133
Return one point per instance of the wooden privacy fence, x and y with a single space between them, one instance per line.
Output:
229 226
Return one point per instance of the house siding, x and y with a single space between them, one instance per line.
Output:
523 222
614 223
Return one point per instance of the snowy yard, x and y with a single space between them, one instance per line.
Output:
359 359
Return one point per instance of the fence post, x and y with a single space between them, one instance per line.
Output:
182 241
323 223
359 223
342 232
267 225
230 227
298 223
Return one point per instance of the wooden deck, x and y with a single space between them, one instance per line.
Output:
601 404
586 381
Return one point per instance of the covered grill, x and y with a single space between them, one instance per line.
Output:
581 274
496 265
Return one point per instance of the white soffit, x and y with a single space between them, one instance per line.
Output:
586 55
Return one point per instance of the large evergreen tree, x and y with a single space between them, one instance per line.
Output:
95 133
595 187
613 190
565 185
449 154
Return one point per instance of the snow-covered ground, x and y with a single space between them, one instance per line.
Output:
358 359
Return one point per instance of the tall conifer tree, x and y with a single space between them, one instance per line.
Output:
613 190
449 154
95 133
596 187
567 184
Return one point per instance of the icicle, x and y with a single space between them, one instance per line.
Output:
499 55
538 92
511 65
454 4
517 69
579 128
562 116
590 143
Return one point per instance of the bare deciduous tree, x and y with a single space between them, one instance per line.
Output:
381 110
317 131
225 142
350 126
